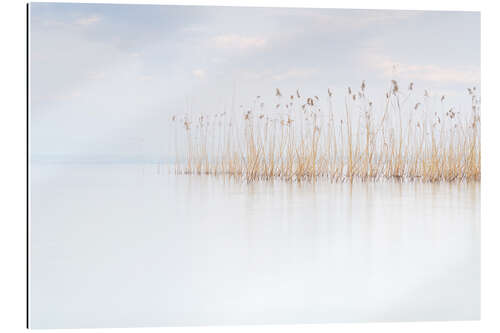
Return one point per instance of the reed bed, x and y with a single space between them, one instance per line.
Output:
299 138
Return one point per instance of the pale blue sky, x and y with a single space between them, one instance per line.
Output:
105 79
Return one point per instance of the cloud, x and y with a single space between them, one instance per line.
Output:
52 23
234 41
295 73
194 28
86 21
292 73
97 75
376 17
357 19
199 73
389 68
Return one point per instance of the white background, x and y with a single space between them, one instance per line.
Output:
13 169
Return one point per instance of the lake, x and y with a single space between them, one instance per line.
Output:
126 245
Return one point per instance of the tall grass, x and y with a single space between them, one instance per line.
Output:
298 140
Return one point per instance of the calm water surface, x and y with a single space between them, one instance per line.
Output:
132 245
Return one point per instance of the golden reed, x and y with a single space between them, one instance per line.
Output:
299 141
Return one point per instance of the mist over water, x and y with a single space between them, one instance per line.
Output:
135 245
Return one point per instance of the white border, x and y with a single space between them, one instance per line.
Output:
13 168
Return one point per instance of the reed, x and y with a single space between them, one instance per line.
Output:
296 140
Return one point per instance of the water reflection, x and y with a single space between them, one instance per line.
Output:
175 250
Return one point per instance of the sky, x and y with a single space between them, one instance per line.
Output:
106 79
